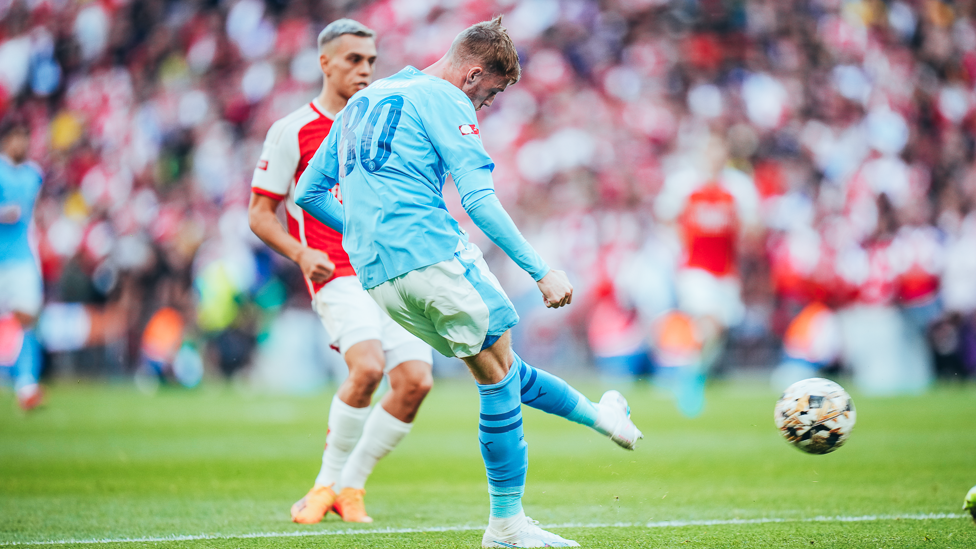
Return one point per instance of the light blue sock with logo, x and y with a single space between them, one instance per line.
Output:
503 446
551 394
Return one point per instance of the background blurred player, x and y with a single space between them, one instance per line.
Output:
21 289
392 149
368 339
712 204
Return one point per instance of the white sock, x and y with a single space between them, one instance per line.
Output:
503 527
380 435
345 428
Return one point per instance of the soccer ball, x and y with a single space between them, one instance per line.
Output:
969 504
815 415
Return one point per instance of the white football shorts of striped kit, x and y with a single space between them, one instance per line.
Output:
350 316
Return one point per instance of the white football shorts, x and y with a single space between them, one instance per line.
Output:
701 293
21 288
457 305
350 316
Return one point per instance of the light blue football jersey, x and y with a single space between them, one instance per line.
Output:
18 186
390 150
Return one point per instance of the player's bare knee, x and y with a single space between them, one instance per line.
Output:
491 365
366 375
419 383
366 363
411 381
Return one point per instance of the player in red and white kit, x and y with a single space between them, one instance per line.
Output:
711 206
371 343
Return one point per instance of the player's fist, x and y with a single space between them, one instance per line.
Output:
556 289
316 265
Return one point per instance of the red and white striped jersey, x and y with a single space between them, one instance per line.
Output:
710 215
710 226
917 260
290 144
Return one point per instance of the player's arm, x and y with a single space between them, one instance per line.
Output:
270 184
314 195
452 127
480 202
261 215
314 191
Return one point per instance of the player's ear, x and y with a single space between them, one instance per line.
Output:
324 63
474 73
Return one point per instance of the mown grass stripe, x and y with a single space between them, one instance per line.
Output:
464 528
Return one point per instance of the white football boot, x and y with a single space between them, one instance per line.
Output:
527 534
613 419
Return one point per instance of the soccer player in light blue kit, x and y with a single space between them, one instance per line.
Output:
389 152
20 281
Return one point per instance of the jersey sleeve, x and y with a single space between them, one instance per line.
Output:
313 193
479 201
452 127
276 168
326 159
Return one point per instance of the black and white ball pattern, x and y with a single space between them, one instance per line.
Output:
816 415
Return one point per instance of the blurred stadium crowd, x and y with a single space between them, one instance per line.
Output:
853 122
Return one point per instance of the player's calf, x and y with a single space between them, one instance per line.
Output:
366 363
410 382
549 393
381 434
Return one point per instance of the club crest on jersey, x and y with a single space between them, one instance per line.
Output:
263 165
469 129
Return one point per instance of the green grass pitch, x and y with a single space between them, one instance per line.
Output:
101 466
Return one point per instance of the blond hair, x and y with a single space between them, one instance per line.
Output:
487 44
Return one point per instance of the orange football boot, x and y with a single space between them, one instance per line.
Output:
313 507
349 505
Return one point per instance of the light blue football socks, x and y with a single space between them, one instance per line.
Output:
503 447
551 394
27 369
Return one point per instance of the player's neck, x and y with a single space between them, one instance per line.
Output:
11 159
444 69
331 102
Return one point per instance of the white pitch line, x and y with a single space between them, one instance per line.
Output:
465 528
